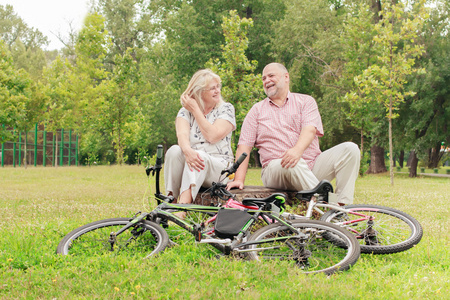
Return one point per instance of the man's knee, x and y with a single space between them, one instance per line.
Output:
352 149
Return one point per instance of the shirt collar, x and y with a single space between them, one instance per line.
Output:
273 103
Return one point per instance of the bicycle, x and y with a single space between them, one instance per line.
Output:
378 229
312 246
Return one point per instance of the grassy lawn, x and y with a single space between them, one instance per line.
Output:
38 206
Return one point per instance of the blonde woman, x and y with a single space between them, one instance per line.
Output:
203 126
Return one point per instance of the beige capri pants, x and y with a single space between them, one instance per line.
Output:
178 178
340 162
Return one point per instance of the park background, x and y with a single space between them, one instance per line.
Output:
379 71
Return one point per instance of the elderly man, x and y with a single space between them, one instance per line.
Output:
285 127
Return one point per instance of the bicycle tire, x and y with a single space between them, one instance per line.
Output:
394 231
144 238
312 253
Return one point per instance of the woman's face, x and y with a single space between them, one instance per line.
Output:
211 94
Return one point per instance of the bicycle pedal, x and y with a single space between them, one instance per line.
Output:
198 232
164 224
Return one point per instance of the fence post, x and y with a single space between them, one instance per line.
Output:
20 148
53 144
70 147
35 143
14 149
44 148
3 150
76 151
61 151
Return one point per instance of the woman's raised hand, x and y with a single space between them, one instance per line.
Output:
189 103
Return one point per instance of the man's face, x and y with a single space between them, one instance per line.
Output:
274 81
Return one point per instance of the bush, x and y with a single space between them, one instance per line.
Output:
422 170
436 170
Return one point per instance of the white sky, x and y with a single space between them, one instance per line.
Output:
51 16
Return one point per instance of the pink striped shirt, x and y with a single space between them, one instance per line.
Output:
274 129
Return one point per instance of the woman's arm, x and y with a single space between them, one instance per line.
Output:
211 132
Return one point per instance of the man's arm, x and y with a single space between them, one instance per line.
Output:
291 156
239 177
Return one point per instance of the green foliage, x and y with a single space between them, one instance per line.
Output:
241 87
15 89
24 43
425 118
118 81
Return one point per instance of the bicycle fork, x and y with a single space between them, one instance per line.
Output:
136 219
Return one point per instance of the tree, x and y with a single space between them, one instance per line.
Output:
14 90
241 87
425 118
363 112
24 43
61 110
308 41
397 48
120 105
161 101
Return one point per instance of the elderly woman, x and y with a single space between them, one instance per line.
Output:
203 125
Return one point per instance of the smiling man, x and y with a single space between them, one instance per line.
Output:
286 127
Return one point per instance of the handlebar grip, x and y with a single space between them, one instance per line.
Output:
159 154
238 162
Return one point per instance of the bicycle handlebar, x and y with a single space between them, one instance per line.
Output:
159 154
236 165
218 189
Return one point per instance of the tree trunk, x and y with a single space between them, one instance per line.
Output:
434 156
377 164
391 146
26 151
376 8
401 159
257 159
413 165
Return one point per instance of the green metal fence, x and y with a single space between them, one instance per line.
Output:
39 147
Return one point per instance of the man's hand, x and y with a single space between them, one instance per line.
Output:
235 184
290 158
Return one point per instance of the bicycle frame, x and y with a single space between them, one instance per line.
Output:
164 211
315 205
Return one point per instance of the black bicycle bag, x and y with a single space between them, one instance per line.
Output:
229 222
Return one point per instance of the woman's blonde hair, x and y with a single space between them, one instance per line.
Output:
198 83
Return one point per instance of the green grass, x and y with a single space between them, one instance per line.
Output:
38 206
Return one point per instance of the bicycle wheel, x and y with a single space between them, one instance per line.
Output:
307 250
390 231
144 239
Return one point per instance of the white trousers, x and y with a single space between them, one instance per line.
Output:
178 178
340 162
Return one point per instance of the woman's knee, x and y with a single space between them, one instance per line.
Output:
174 152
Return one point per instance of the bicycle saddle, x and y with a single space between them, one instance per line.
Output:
323 188
277 198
